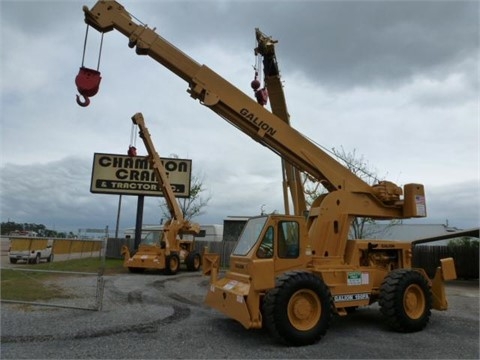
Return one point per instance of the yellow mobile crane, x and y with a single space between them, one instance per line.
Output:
170 250
289 273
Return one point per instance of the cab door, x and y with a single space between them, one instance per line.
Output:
263 266
287 249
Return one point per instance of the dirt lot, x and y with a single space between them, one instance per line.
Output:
153 316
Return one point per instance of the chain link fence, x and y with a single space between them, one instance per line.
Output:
64 273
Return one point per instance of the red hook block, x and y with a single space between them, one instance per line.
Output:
88 83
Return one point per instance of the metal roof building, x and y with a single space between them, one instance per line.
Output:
412 232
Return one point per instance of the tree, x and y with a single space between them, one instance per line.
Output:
192 206
465 241
40 229
359 167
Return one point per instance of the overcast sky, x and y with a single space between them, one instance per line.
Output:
396 81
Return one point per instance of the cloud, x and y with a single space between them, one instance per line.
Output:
455 203
396 81
337 44
57 195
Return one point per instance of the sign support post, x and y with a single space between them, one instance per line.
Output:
139 221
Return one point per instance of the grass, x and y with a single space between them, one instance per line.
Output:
39 286
112 266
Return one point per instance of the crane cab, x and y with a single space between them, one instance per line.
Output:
268 246
277 239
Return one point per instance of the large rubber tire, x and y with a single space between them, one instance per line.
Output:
13 261
172 264
193 261
50 258
405 300
298 311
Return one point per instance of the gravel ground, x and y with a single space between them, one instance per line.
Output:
152 316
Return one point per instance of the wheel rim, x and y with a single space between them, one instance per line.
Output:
196 262
173 263
304 309
414 301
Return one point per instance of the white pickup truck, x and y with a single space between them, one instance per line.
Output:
33 256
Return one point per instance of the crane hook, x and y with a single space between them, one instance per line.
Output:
83 103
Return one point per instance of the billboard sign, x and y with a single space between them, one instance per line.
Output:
133 175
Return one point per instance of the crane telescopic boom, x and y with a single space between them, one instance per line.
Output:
244 113
292 180
159 170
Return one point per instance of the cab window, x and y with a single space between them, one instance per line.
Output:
265 250
152 238
288 239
